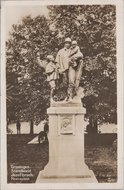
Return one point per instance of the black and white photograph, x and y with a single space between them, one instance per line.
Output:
61 95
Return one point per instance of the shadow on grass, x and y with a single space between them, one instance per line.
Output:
101 156
22 154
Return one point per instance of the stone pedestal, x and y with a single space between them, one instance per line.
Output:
66 146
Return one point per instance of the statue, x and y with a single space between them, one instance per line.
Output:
75 70
52 74
68 64
62 59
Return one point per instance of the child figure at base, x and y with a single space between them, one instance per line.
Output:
52 74
75 54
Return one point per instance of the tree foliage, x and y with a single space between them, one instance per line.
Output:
94 28
27 40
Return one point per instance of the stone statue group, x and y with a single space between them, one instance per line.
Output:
68 63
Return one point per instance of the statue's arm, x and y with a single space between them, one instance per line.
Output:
58 60
49 69
41 63
73 53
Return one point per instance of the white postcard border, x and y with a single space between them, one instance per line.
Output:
120 59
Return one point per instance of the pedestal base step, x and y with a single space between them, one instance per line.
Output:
89 179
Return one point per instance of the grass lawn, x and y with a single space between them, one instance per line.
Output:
101 159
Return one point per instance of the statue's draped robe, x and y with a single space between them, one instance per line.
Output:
74 78
73 74
62 59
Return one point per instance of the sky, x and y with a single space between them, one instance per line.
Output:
14 14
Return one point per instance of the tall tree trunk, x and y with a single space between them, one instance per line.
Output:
32 127
93 126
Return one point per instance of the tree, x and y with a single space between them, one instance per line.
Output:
31 127
27 40
12 96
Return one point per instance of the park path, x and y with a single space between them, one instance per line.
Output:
34 141
25 128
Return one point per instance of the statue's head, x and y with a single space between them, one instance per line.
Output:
67 43
50 58
74 43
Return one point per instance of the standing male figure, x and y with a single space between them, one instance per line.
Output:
71 73
62 59
75 69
